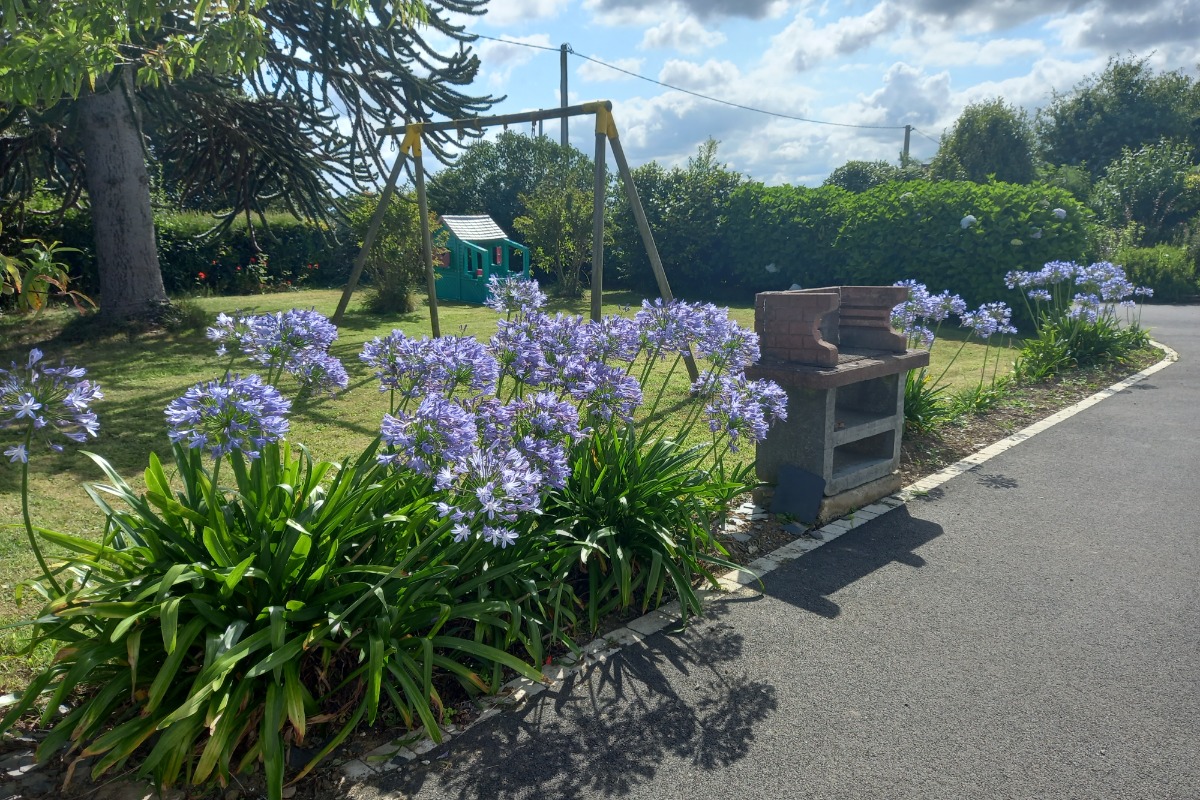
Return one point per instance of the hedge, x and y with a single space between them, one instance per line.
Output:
298 251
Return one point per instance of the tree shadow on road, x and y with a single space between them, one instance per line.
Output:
610 727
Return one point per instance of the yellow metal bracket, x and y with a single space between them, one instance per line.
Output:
604 122
411 145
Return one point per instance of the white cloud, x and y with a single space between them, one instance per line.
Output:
614 10
591 72
1133 27
708 77
499 59
908 96
944 49
512 12
802 45
685 35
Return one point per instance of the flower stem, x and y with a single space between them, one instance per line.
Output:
37 551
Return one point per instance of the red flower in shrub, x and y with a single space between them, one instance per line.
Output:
201 276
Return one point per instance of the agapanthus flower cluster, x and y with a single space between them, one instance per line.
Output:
493 490
413 367
667 327
295 341
921 310
744 409
493 449
514 295
725 343
438 433
1082 292
40 402
989 319
613 338
232 414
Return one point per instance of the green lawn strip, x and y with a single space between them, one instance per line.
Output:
140 376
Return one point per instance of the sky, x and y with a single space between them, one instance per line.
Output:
878 65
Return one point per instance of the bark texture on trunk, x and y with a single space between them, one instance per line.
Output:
131 282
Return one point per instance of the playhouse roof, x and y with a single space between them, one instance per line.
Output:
474 229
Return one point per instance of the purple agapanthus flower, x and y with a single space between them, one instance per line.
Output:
613 338
414 367
234 413
321 372
989 319
41 402
744 410
517 349
295 341
439 433
514 295
490 490
725 343
921 310
667 327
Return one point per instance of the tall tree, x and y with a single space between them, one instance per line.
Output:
1127 105
858 176
491 176
989 139
687 208
557 222
251 101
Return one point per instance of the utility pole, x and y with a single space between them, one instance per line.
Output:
907 138
562 87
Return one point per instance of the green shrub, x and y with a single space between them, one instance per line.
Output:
300 252
640 515
395 268
783 235
924 401
957 234
233 262
1166 269
212 627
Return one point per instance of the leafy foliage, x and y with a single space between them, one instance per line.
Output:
858 176
688 210
990 139
1127 105
221 625
490 177
1167 269
394 268
925 404
780 235
557 226
920 230
1150 187
641 516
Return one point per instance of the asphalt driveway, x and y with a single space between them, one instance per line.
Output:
1029 630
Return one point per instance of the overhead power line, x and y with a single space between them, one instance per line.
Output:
699 94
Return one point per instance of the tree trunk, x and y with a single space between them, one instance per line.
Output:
131 282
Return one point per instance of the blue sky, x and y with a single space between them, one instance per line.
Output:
858 62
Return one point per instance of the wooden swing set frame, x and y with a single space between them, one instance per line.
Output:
606 132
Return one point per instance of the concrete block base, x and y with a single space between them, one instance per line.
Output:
840 504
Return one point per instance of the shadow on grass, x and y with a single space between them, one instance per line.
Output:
610 729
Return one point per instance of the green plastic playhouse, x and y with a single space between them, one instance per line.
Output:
477 249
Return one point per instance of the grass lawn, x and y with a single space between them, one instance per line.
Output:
141 376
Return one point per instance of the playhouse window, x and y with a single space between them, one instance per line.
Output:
497 255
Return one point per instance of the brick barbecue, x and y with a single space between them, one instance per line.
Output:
834 351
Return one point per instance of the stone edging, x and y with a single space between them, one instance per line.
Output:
415 747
